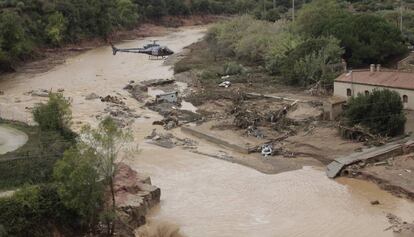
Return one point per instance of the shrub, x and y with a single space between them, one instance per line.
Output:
55 115
208 75
233 68
381 111
35 211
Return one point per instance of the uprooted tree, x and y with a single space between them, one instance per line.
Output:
380 111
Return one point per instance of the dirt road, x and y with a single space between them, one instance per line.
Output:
209 197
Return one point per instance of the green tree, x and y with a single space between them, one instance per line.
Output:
309 62
55 115
366 38
316 17
14 41
56 28
35 211
177 7
127 13
381 111
79 183
108 140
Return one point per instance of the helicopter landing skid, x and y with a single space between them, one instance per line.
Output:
157 57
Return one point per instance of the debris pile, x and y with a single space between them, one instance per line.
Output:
117 109
139 91
39 93
173 117
92 96
113 99
400 226
168 140
246 117
254 132
361 134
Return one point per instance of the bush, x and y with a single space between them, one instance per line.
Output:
381 111
233 68
309 62
35 211
208 75
55 115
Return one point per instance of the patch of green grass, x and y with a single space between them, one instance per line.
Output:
33 162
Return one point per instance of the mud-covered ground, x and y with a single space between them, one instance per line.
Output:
239 114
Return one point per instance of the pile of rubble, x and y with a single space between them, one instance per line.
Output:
361 134
173 116
113 100
116 108
399 226
139 91
42 92
168 140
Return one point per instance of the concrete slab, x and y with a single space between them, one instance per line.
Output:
214 138
374 154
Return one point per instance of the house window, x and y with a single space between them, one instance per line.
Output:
405 99
348 92
366 92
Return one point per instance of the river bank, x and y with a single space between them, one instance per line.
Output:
202 195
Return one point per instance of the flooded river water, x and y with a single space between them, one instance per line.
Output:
208 197
11 139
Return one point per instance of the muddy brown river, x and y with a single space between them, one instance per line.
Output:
207 197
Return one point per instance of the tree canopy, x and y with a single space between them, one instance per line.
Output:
366 38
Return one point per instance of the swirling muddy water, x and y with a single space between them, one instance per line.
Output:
208 197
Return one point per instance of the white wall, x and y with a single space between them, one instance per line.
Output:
340 89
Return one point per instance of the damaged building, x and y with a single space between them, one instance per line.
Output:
365 81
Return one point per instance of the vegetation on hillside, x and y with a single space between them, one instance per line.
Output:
366 38
312 49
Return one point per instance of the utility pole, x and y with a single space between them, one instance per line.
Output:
264 7
293 10
401 15
274 4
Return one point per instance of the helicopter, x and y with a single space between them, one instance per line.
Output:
153 49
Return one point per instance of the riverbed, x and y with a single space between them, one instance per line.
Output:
204 196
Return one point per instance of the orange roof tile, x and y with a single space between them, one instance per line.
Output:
392 79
